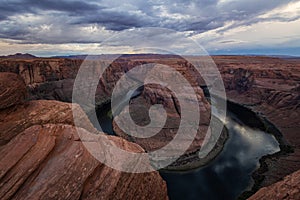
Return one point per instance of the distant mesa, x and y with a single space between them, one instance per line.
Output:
82 57
20 56
91 56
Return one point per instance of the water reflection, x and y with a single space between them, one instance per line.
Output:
230 173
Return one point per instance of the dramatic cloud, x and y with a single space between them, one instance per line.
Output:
217 24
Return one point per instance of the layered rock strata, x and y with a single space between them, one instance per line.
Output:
288 188
268 86
42 156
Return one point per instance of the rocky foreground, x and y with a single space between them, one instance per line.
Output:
267 86
42 156
288 188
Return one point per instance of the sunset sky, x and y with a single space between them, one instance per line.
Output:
67 27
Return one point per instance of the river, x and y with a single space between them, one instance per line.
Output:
228 175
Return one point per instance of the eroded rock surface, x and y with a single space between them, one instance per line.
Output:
242 80
193 103
12 90
268 86
42 157
16 119
39 70
273 94
288 188
50 162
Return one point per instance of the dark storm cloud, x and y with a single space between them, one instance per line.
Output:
116 21
69 15
65 6
210 14
14 7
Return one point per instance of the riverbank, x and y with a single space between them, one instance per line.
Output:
257 116
229 174
274 94
192 161
256 120
186 162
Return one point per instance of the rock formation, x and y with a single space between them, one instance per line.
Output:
158 94
268 86
35 71
19 56
242 80
273 95
12 90
42 156
288 188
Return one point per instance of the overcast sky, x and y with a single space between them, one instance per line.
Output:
64 27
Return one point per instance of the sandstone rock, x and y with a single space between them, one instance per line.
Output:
53 78
16 119
55 90
288 188
50 162
242 81
139 108
274 94
159 94
41 70
12 90
43 157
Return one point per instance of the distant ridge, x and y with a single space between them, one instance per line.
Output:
71 57
114 56
20 56
138 56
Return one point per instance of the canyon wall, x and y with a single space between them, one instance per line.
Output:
288 188
42 156
268 86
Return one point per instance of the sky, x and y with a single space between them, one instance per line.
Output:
70 27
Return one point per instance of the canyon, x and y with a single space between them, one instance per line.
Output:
42 156
267 86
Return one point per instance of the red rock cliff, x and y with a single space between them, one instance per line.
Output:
42 157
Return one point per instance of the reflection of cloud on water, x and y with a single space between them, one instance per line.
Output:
260 141
245 146
219 169
230 172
